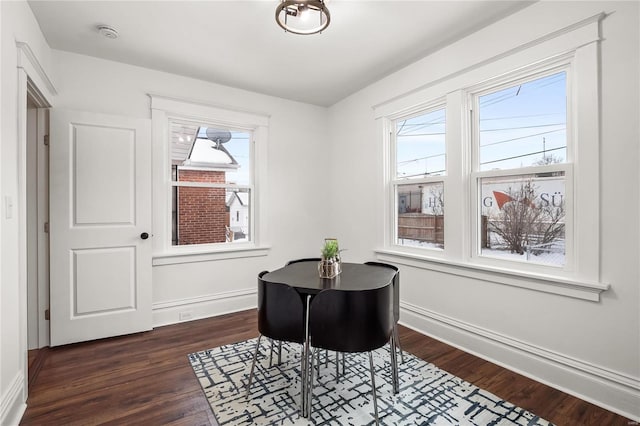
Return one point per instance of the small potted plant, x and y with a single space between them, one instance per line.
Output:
329 266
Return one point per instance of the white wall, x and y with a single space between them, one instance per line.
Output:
590 349
584 347
296 153
17 24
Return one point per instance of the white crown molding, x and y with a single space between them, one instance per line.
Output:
614 391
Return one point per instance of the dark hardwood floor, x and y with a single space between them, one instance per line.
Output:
146 378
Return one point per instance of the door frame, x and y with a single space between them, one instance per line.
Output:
37 256
34 82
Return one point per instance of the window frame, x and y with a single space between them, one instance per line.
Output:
166 110
250 186
577 45
395 182
473 94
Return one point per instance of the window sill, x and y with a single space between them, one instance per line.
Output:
189 255
579 289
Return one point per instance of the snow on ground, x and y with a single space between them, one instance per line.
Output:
555 256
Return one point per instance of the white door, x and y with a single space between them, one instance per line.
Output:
100 217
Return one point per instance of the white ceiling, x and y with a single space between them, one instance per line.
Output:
238 43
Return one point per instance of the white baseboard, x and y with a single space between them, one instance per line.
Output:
608 389
175 311
12 406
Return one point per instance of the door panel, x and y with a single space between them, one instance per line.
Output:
98 151
93 267
100 203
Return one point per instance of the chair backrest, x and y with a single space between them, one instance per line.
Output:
306 259
280 311
396 287
351 321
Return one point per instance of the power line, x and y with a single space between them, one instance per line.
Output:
519 138
523 127
420 158
535 84
423 124
521 116
423 134
418 126
523 155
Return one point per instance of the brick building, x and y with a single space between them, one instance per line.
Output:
201 214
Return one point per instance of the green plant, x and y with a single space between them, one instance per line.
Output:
330 249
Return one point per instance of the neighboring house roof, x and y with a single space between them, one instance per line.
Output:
241 197
206 153
187 149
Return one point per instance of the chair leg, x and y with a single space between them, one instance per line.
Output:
304 380
340 355
310 390
394 364
305 373
373 388
253 364
397 339
303 376
271 355
279 352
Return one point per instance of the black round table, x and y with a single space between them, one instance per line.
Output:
304 277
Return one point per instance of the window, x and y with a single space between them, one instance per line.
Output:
211 179
519 200
517 158
419 170
208 198
521 164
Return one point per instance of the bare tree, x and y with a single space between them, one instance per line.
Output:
549 159
522 223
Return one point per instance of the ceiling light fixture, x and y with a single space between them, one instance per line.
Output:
108 31
303 16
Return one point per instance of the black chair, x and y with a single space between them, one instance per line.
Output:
350 321
306 259
396 302
280 317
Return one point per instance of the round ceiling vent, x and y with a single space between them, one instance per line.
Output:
107 31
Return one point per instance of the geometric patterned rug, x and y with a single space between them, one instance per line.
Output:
428 395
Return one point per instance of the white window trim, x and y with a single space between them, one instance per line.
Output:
564 63
395 182
579 289
580 43
163 110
